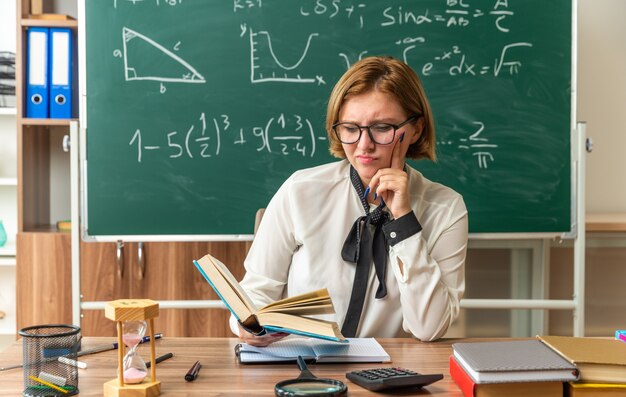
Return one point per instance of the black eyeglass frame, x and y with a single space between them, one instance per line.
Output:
369 132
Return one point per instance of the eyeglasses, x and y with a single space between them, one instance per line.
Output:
380 133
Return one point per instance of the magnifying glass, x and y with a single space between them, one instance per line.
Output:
307 384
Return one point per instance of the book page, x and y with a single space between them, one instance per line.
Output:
304 325
357 349
315 302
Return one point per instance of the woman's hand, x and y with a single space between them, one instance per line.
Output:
260 341
392 183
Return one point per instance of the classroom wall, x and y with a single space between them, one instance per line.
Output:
602 100
7 30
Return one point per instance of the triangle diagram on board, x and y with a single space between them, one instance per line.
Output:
145 59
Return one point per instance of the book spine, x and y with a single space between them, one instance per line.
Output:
461 378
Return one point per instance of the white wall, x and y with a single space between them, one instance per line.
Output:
7 25
602 100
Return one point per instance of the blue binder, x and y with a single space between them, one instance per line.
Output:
37 82
61 73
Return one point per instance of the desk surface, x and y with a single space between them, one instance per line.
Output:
606 222
222 375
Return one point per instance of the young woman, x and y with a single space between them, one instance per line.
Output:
327 226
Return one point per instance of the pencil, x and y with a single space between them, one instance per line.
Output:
43 382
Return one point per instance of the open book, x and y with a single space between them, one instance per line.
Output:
285 315
363 350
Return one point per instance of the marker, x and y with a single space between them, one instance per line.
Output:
74 363
192 374
54 379
159 359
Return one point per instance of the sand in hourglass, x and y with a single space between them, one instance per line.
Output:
135 370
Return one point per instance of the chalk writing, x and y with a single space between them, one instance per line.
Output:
476 143
457 63
335 9
285 134
179 72
456 14
262 41
281 135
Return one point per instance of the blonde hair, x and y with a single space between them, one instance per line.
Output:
391 76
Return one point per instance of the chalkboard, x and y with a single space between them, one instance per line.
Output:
197 111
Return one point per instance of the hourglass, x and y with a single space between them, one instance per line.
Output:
135 370
133 317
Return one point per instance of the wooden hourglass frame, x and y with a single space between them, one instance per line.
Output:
121 311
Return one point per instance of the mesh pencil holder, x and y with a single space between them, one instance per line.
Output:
44 374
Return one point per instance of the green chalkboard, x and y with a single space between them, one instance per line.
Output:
197 111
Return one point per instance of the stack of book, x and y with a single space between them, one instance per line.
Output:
510 368
601 363
546 366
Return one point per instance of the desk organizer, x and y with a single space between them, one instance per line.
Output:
44 374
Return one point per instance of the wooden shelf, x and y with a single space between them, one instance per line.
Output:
8 249
49 122
45 229
606 222
52 23
8 181
7 261
7 254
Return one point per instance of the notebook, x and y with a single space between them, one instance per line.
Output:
287 350
600 360
513 361
509 389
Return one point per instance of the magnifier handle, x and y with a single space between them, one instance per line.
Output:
304 370
302 364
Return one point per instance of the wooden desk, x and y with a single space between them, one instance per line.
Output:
221 375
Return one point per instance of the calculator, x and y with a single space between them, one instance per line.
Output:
376 379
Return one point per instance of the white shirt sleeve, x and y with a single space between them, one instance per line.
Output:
432 281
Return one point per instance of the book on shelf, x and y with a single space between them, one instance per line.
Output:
598 360
513 361
286 315
510 389
362 350
586 389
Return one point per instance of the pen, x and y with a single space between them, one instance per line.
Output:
159 359
192 374
143 340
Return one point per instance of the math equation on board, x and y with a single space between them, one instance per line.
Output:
293 134
282 135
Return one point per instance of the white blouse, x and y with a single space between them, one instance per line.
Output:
297 249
